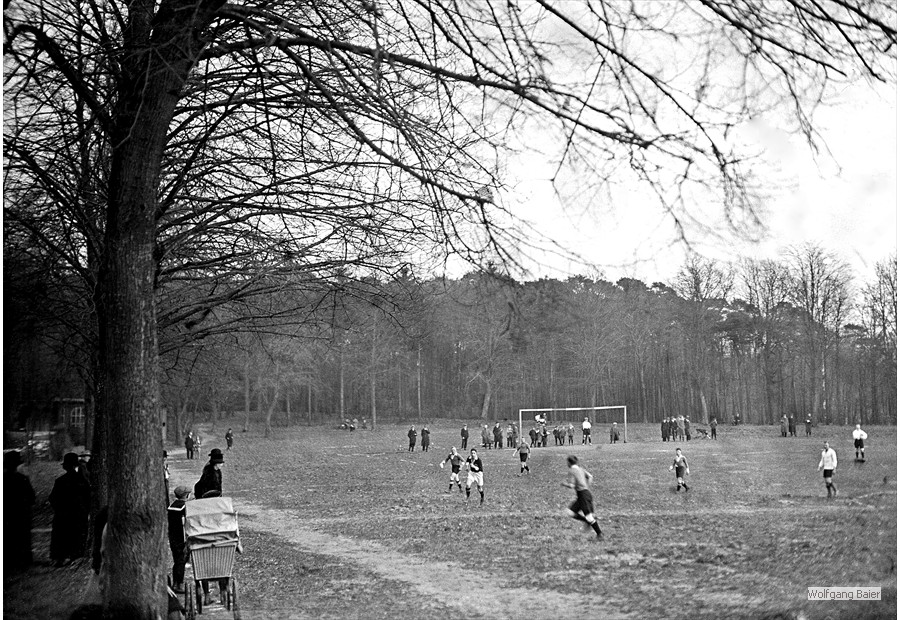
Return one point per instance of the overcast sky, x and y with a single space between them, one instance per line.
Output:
844 200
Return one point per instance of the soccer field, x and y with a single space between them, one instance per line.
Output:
349 524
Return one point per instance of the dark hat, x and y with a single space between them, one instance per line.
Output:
216 456
70 461
11 459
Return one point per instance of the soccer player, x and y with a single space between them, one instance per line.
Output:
828 464
614 432
859 435
455 463
586 431
582 509
680 465
476 475
523 451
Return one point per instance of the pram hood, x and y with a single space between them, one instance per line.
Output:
210 519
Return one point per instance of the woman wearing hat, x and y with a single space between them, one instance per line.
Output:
211 478
71 501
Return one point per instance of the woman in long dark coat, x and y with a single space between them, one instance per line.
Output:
211 478
71 502
18 499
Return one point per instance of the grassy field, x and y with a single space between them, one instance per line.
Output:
344 524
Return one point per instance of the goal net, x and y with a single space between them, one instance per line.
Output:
601 418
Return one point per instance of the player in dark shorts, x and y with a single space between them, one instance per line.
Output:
455 463
859 437
681 468
523 451
828 464
582 509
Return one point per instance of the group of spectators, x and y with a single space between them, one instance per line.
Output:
789 426
678 428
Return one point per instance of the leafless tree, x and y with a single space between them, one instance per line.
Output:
418 101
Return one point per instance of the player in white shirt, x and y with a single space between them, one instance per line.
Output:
586 431
828 464
859 435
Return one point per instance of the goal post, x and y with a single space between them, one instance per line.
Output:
590 412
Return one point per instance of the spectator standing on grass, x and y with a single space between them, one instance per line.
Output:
455 463
211 478
176 514
784 426
808 427
18 499
426 438
544 435
534 435
859 437
828 463
582 509
464 436
189 445
498 436
229 439
412 434
679 427
664 429
514 437
586 432
475 469
198 444
570 433
792 426
687 428
680 465
523 450
485 437
71 502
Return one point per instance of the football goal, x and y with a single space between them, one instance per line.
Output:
601 418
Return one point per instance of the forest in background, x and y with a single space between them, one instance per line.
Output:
756 340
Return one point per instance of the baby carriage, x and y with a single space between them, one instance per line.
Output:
211 530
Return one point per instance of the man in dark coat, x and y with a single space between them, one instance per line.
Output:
189 445
464 436
18 499
211 478
71 502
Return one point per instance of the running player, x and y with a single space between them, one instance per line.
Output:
582 509
455 463
523 451
476 475
680 465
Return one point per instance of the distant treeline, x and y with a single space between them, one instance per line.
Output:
755 340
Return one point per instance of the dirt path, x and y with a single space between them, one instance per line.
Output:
438 581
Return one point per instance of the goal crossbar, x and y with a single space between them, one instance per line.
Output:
622 407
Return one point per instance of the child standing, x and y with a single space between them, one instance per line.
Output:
680 465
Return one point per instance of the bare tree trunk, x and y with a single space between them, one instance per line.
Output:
247 394
419 381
